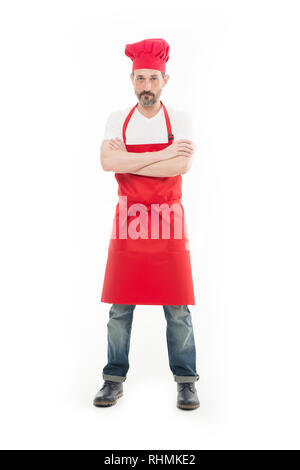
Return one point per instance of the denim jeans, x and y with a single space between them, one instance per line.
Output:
180 342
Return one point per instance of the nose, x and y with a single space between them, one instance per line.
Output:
148 85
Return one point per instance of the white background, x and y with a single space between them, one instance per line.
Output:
235 66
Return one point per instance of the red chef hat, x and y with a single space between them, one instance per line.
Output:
149 54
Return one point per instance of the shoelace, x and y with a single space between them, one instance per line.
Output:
188 385
111 384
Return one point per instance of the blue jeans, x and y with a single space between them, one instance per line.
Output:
180 342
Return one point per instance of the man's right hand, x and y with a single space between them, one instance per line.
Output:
179 148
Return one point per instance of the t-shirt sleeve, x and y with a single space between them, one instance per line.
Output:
113 127
184 126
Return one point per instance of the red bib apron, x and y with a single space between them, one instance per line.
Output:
148 259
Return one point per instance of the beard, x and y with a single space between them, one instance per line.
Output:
147 99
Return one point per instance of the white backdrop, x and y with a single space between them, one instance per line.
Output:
235 66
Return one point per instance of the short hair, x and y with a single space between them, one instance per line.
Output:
162 73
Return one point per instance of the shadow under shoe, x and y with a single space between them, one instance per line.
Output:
109 393
187 398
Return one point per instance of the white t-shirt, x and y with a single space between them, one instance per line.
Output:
143 130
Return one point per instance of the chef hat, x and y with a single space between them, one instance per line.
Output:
148 54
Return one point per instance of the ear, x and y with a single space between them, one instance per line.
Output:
166 79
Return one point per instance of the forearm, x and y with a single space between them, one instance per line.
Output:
121 161
171 167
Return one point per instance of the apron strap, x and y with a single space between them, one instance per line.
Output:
170 135
126 122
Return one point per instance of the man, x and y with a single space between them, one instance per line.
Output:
148 259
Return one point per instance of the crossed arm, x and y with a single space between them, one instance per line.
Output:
146 163
171 167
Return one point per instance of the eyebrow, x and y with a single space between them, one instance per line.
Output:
154 75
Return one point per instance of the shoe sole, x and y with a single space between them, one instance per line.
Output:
107 403
188 407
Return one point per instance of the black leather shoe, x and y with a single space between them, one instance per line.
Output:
109 393
187 398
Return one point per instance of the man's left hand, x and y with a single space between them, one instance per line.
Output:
117 144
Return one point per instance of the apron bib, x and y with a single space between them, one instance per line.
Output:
148 260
